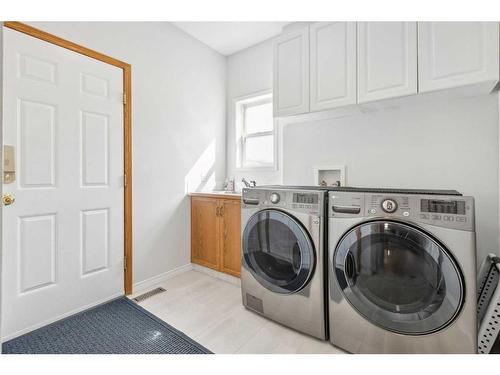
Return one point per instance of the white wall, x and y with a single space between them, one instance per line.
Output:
450 144
249 71
178 115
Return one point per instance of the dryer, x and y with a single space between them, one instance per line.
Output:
402 271
283 267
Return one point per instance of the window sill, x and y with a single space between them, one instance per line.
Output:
257 169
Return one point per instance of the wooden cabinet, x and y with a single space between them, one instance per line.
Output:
452 54
215 232
332 65
387 60
291 73
204 231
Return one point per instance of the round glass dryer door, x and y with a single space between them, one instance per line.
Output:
398 277
278 251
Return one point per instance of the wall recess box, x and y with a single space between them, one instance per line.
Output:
330 175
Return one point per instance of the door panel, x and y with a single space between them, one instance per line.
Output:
278 251
387 60
37 252
63 236
204 232
291 73
36 144
398 277
95 148
95 240
230 237
34 68
452 54
93 85
333 64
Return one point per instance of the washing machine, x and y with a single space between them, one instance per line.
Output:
283 266
402 271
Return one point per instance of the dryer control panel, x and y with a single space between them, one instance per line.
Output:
310 202
454 212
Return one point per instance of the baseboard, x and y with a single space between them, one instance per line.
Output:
148 283
218 275
59 317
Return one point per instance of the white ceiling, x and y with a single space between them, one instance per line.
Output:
230 37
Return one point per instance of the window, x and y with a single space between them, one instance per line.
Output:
255 132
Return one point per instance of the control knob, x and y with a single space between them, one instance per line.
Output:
274 198
389 206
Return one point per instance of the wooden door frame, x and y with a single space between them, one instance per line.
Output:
127 128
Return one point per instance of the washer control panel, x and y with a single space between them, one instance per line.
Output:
455 212
310 202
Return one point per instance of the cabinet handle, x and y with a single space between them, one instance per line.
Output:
217 211
221 211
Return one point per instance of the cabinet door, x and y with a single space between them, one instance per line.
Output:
452 54
333 64
230 240
291 73
387 60
204 232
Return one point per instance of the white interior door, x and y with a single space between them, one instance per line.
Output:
63 236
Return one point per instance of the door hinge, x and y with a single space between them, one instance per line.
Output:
125 263
125 180
124 98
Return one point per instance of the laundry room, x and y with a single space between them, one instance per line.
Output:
314 184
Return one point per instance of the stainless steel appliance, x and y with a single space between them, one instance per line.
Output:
283 267
402 271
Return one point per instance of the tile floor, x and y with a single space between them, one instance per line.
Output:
209 310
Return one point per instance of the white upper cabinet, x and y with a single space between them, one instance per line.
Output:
387 60
291 73
333 65
325 65
453 54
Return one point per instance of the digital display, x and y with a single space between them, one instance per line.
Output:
305 198
442 206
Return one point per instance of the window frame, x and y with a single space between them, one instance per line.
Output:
241 104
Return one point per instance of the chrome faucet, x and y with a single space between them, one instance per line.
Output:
252 183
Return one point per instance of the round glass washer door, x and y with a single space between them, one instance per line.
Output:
398 277
277 251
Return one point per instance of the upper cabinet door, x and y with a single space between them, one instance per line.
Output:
291 73
387 60
455 54
333 64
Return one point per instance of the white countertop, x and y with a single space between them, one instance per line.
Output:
219 194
